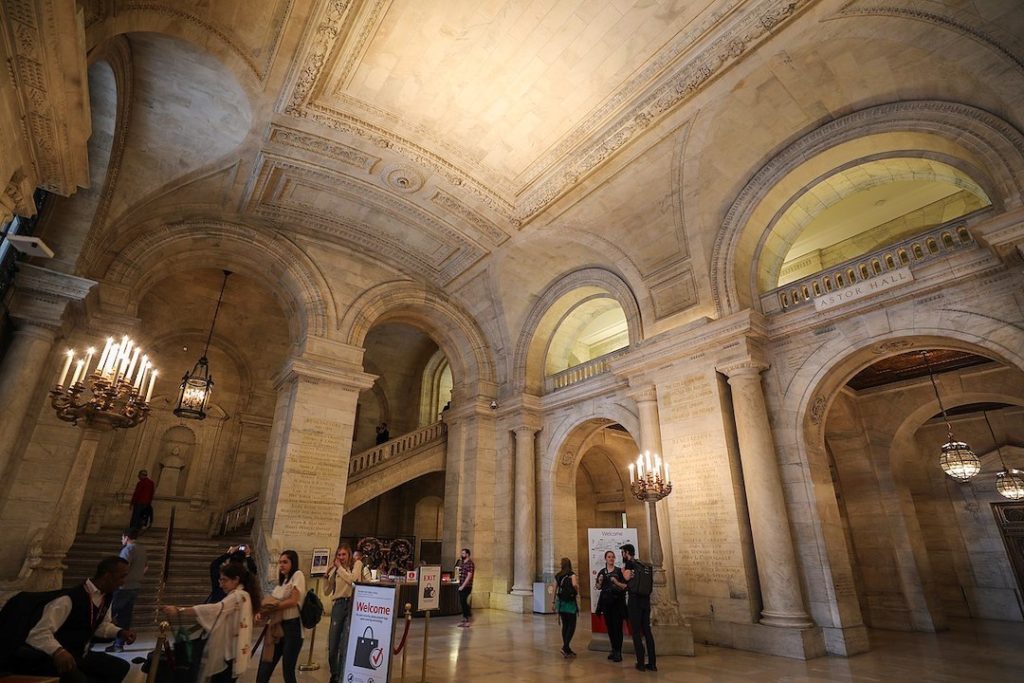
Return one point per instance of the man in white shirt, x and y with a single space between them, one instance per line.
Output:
58 644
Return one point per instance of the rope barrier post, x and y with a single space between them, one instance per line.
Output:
161 643
408 622
310 665
426 635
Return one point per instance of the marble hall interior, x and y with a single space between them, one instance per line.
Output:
452 265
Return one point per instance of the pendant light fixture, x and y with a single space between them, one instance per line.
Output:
197 385
956 458
1009 482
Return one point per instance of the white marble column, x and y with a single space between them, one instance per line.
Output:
20 370
659 523
526 511
769 521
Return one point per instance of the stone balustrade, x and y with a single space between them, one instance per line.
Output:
432 433
581 372
928 246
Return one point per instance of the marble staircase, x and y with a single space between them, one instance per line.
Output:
188 580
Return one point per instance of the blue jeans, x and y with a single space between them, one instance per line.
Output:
121 607
289 650
336 644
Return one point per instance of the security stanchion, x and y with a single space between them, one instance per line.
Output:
158 651
401 646
426 635
310 665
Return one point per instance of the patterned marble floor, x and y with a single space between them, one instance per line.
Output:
513 648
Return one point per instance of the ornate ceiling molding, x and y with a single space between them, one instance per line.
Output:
422 245
339 34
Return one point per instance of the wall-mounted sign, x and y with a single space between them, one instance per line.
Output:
863 289
321 559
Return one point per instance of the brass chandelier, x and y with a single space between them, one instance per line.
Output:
108 395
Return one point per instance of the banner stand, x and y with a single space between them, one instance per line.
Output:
370 634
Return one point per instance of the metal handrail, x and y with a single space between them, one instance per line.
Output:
239 516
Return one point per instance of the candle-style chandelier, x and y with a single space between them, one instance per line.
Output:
108 395
649 479
955 458
196 386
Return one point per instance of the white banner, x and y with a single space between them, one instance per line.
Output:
368 657
600 542
430 589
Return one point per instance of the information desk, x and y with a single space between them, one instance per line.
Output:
407 592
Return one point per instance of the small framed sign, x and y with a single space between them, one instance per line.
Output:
321 560
429 592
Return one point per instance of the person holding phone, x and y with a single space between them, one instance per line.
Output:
237 553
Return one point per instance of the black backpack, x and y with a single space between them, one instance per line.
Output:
566 590
312 610
642 581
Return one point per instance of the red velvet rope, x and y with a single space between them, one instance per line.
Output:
405 635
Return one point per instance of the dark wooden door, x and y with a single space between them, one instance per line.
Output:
1010 518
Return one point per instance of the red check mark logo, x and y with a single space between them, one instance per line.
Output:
377 657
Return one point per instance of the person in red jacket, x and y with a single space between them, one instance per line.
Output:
142 502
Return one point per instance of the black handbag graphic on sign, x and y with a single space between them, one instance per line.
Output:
365 648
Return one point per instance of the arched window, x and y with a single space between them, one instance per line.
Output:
590 329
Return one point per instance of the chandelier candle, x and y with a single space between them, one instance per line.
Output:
114 387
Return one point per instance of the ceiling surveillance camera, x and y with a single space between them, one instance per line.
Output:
494 405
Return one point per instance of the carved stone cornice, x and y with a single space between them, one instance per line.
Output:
743 367
644 393
41 295
45 42
700 342
339 34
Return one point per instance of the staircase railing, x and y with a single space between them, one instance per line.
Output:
438 431
240 516
165 568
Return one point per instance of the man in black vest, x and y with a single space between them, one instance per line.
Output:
639 609
58 642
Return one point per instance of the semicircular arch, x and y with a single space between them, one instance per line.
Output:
551 307
151 251
454 330
966 137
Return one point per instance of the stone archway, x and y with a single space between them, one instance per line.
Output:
987 148
823 407
547 311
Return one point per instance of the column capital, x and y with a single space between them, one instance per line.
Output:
643 393
35 330
526 427
41 295
319 359
746 367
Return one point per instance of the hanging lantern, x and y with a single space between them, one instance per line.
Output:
1010 484
956 458
196 386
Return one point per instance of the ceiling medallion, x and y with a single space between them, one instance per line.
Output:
402 179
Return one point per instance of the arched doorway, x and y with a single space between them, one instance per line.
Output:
922 547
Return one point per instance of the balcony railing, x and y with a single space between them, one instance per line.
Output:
423 436
239 517
583 371
928 246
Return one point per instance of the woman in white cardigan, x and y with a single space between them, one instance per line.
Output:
228 623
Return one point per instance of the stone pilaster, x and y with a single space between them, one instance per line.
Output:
769 521
525 567
306 473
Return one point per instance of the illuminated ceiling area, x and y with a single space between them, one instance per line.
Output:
592 328
870 206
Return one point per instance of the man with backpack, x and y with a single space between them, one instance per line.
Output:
639 584
49 634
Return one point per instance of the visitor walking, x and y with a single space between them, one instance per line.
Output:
566 604
283 639
639 584
142 502
123 604
467 570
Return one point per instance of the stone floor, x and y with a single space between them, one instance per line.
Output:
511 648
